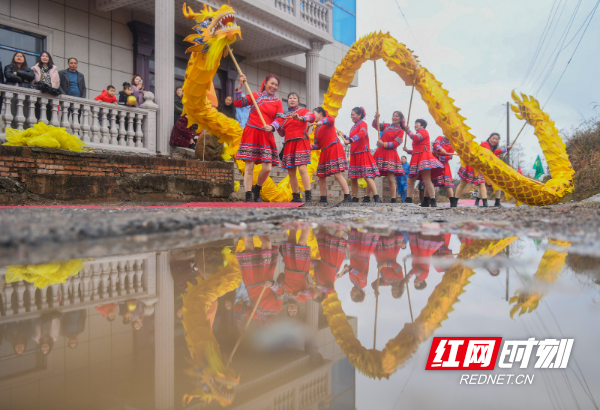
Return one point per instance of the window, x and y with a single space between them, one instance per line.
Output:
344 21
13 40
180 67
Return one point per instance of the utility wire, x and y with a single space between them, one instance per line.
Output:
411 32
574 51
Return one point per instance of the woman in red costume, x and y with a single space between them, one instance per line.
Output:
442 150
421 249
386 156
362 163
423 165
296 154
386 254
362 246
258 143
258 269
467 174
332 249
332 160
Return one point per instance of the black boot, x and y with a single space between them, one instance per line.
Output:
432 203
485 204
497 203
307 196
376 199
477 201
249 196
425 203
296 197
453 202
393 201
256 193
408 200
367 198
347 198
355 199
323 200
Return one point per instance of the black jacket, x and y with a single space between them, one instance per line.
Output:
178 107
1 74
24 74
64 83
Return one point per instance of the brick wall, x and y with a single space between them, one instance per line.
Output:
65 175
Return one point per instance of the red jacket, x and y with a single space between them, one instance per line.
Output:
420 141
359 138
291 129
181 134
497 152
104 97
325 133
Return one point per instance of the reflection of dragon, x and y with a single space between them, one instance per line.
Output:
216 30
214 380
551 265
379 364
400 60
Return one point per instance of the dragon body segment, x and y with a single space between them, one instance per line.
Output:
400 60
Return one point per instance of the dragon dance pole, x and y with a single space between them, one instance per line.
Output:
409 108
247 324
247 87
377 101
515 140
376 306
408 292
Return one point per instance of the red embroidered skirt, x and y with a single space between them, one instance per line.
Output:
363 165
296 153
388 161
468 174
332 160
444 180
424 161
258 146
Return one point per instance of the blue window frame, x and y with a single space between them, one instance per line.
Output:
344 21
13 40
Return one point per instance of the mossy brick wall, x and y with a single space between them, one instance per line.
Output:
65 175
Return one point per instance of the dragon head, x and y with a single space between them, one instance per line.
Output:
214 381
215 31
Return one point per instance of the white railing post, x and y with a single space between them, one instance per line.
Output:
20 118
64 107
122 132
54 117
104 130
7 117
43 109
31 120
130 129
75 126
95 125
149 125
85 126
113 127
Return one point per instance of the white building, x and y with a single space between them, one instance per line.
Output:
301 41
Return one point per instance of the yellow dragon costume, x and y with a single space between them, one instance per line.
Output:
217 29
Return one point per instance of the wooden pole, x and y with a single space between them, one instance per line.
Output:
377 101
376 306
247 87
247 324
515 140
408 292
409 108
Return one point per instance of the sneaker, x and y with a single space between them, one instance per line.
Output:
366 198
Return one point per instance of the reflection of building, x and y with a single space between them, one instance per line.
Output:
115 366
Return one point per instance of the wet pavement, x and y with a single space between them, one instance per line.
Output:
310 312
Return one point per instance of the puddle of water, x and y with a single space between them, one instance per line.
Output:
312 318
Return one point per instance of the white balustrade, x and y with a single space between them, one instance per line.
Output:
286 6
311 12
101 281
98 124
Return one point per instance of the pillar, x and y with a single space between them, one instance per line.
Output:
312 75
311 319
164 336
164 77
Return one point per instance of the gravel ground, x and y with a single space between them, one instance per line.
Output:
35 235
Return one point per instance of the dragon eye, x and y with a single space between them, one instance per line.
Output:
209 20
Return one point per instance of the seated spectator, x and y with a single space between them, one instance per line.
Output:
45 71
126 96
46 330
182 136
108 310
17 73
227 108
72 82
178 103
137 87
108 95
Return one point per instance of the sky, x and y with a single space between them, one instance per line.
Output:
481 50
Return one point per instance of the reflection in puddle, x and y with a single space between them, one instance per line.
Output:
285 321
